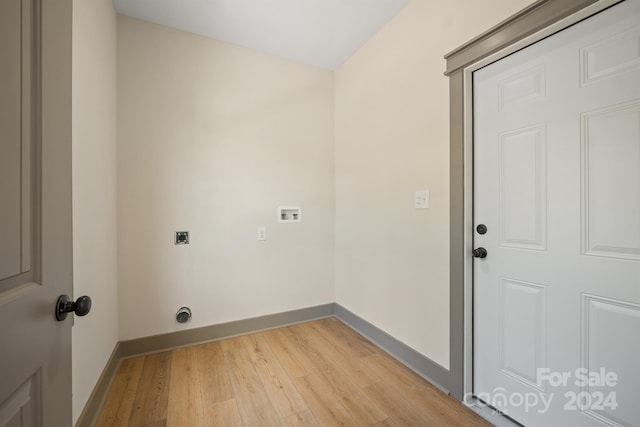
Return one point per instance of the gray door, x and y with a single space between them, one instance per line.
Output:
35 211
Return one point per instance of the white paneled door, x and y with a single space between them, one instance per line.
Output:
557 186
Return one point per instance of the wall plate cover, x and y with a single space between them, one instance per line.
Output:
289 214
182 238
421 200
262 234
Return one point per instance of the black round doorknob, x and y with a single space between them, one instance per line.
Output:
480 253
80 307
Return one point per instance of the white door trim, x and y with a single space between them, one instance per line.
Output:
468 169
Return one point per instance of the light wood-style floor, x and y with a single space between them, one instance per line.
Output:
317 373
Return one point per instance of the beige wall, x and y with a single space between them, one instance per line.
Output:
391 136
212 138
94 191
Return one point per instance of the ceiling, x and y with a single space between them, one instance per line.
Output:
322 33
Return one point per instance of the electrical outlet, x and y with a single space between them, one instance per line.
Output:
262 234
182 238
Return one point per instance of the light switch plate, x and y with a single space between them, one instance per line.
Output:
422 199
262 234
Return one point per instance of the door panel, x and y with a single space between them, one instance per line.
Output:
20 409
557 183
606 322
10 151
617 54
35 213
611 181
522 330
522 88
523 189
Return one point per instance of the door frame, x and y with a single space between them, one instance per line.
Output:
534 23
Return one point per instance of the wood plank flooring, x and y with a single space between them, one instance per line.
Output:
320 373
